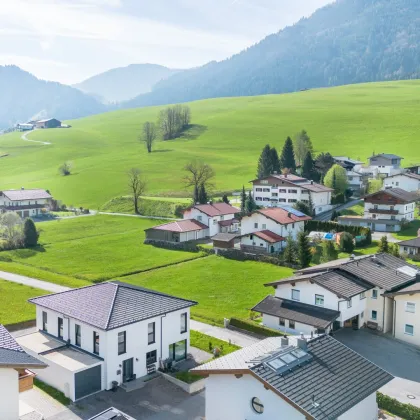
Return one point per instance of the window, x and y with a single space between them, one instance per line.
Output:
319 300
292 325
375 207
151 333
393 218
410 307
374 315
362 314
409 329
251 237
258 189
274 194
282 322
256 225
293 225
362 295
349 303
291 200
264 181
292 191
257 405
266 189
295 294
95 342
200 218
374 294
178 351
258 198
266 199
350 178
281 190
222 217
60 327
282 200
214 221
122 342
183 322
151 357
78 335
44 321
264 226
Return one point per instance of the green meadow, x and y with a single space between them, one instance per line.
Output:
227 133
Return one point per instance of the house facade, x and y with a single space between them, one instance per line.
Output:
25 203
108 333
385 210
15 368
407 181
355 181
48 123
411 246
217 216
292 378
385 163
179 231
268 229
285 190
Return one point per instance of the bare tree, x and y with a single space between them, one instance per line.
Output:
137 185
198 175
185 116
148 135
12 230
174 119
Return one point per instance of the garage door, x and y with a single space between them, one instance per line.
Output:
87 382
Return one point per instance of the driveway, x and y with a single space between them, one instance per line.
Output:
399 359
376 236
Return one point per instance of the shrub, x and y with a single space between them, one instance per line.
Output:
254 328
346 242
406 411
338 199
30 234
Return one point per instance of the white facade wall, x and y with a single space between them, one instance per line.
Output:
194 235
365 410
4 201
405 211
358 308
210 221
375 305
403 318
403 181
230 398
9 394
252 240
354 180
271 321
410 250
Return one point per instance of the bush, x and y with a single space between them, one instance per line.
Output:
188 377
254 328
338 199
30 234
346 242
406 411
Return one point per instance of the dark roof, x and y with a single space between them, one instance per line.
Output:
415 242
335 377
17 195
409 290
387 156
216 209
186 225
269 236
398 193
297 311
111 305
12 355
224 237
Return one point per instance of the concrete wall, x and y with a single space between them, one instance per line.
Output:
365 410
9 394
404 182
402 317
230 398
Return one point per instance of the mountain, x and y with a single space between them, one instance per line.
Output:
123 83
23 97
349 41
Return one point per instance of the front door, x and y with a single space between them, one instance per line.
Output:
127 370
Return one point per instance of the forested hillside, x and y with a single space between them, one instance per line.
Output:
349 41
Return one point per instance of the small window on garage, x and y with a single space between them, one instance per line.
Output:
78 335
44 321
60 327
95 342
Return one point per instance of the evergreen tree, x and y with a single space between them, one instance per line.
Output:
265 162
304 250
289 254
383 245
346 242
225 199
243 201
308 167
30 234
323 163
329 252
287 159
250 205
202 195
275 161
196 195
311 206
336 178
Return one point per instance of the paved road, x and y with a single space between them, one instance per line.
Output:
25 138
376 236
29 281
327 215
235 337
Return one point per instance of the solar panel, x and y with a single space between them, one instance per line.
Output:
294 211
285 361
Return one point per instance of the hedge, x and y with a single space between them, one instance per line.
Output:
406 411
251 326
320 226
180 246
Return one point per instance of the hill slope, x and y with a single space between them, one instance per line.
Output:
350 41
23 97
229 134
123 83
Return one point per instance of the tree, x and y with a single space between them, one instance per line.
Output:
302 207
287 159
196 194
149 134
65 168
198 174
336 178
30 234
329 252
304 250
250 205
202 195
323 163
289 254
334 215
311 206
243 201
275 161
395 250
173 120
302 146
383 245
308 167
137 185
346 242
11 230
265 163
225 199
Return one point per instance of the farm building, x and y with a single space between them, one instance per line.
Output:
179 231
48 123
224 240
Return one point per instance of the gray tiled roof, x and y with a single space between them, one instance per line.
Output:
11 354
112 304
296 311
336 377
34 194
411 242
387 156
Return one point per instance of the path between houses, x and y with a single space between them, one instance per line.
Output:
137 215
23 137
29 281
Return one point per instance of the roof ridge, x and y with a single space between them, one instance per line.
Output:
65 291
112 306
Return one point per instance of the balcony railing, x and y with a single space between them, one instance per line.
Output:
383 211
26 207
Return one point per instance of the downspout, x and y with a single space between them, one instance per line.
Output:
394 317
161 334
383 315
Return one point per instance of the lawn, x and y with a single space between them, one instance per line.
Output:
223 288
356 210
410 232
92 248
14 307
228 134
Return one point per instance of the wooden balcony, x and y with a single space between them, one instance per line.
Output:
383 211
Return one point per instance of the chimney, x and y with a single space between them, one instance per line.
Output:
302 344
284 341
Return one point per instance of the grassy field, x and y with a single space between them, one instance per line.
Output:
13 302
223 288
227 133
90 249
357 210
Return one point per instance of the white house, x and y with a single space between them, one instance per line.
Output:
215 216
385 163
411 246
407 181
25 203
179 231
355 180
285 190
267 229
341 293
306 378
15 364
113 331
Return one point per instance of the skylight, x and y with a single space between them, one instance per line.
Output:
276 364
288 358
407 270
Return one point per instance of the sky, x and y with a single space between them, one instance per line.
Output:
70 40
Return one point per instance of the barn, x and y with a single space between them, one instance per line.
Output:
48 123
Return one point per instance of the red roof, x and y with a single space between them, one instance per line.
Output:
186 225
269 236
216 209
282 216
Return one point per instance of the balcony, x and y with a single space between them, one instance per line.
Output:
25 207
383 211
